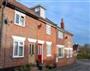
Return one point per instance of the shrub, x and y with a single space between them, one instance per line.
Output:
26 67
84 53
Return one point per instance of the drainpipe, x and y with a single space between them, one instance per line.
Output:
1 25
1 32
4 3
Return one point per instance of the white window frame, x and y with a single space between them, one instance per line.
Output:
18 39
69 52
49 48
32 48
20 15
60 34
37 9
60 47
48 29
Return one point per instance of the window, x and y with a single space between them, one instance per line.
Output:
60 34
48 29
69 52
19 18
22 20
60 51
48 45
37 9
18 46
32 47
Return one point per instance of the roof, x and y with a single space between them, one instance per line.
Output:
68 33
18 6
37 7
49 21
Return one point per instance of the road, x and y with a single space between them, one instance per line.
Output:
81 65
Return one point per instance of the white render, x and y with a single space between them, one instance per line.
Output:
42 13
32 40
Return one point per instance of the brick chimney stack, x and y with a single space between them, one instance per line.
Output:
1 3
62 23
12 0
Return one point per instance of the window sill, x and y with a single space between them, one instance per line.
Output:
17 56
48 34
60 38
60 56
68 57
19 25
49 55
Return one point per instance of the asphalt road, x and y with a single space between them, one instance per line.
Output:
81 65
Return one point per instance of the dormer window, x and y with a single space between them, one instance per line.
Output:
19 18
60 34
39 10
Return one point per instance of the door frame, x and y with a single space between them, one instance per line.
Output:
42 43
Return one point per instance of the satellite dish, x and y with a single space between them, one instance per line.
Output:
5 20
5 2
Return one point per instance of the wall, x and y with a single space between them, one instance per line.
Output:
12 29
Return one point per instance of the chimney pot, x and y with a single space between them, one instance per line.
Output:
62 23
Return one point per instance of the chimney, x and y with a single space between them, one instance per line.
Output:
62 23
12 0
1 1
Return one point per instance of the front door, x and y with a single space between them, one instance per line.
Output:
32 53
39 53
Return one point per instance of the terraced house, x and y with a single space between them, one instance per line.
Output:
27 36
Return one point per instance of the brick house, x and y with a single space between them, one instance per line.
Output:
27 36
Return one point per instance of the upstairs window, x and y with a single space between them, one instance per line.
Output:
22 20
48 29
60 35
19 18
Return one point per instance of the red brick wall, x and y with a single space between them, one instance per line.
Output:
68 43
11 29
52 38
30 30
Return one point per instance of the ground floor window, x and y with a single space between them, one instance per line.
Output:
69 52
49 49
60 51
32 48
18 46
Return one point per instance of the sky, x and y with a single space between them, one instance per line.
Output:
76 15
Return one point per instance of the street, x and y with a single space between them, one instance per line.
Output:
81 65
